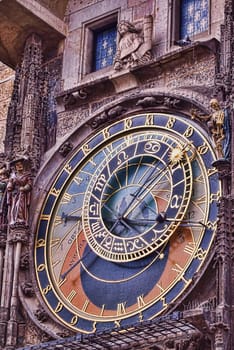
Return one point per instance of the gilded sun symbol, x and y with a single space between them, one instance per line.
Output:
176 155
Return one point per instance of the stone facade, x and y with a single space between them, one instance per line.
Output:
6 85
58 101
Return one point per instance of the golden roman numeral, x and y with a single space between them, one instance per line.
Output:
140 301
189 248
71 295
55 242
121 309
102 310
77 180
177 268
66 198
45 217
61 282
57 220
86 304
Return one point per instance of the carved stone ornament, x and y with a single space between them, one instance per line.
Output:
110 114
41 315
134 46
27 289
218 123
65 148
71 98
24 261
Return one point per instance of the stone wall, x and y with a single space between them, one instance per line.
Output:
6 85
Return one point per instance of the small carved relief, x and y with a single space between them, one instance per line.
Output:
27 289
148 101
65 148
216 126
24 261
218 123
95 122
116 111
71 99
41 315
112 113
134 46
171 102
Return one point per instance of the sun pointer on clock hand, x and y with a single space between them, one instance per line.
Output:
153 179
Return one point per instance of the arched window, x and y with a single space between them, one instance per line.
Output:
193 17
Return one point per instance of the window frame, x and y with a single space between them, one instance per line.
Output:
175 26
89 29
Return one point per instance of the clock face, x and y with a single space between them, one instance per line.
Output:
127 223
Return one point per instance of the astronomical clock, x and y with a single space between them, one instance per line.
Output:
127 222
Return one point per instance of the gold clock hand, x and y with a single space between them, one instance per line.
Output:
120 220
66 217
147 189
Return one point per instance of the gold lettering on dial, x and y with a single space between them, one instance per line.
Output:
106 133
121 309
86 303
171 122
189 248
74 320
149 120
127 124
189 131
140 301
58 307
122 156
71 295
100 183
40 243
41 267
85 149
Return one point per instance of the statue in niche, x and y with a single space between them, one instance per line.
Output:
219 125
216 126
19 192
134 46
4 177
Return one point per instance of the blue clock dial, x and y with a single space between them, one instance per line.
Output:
128 222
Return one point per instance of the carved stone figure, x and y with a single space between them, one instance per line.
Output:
134 45
4 177
19 188
216 126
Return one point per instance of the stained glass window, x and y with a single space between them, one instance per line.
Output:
104 47
193 17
